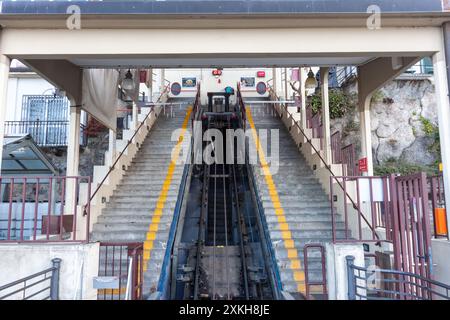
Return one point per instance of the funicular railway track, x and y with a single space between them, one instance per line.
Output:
219 252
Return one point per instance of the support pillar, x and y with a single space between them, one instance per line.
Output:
285 84
163 78
302 78
366 132
134 115
4 76
111 147
73 157
324 79
443 105
274 80
371 77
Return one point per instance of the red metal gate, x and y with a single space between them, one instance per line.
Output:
411 234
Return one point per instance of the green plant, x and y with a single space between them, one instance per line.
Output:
432 131
339 103
392 166
378 96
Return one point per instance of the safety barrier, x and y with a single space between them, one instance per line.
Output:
43 285
45 133
123 261
323 281
369 196
381 284
43 209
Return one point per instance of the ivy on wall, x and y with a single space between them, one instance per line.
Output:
432 131
340 103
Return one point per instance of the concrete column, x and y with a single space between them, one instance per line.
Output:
274 80
442 91
302 78
73 157
285 84
324 77
134 115
366 132
150 84
337 277
73 146
4 75
111 147
163 77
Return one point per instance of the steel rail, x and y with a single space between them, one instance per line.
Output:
201 229
241 239
214 232
227 262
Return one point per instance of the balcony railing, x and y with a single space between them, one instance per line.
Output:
45 133
44 209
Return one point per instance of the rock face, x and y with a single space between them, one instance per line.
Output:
397 111
92 154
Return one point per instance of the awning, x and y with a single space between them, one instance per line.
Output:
21 156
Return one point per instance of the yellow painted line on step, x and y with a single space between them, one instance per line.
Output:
286 235
160 204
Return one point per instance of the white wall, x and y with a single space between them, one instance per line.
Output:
441 260
337 267
209 83
78 267
20 84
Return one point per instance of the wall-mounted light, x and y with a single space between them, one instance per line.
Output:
128 82
311 82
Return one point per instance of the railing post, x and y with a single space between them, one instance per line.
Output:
54 283
351 281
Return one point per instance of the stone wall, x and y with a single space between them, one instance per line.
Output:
92 154
397 114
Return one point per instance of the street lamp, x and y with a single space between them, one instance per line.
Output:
311 82
128 82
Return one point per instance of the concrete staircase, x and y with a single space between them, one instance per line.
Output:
296 207
141 208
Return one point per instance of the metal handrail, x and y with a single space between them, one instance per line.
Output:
309 283
54 282
413 284
113 166
328 168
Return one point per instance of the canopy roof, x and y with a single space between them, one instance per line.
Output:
247 7
21 156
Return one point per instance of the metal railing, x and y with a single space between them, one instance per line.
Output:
345 74
43 285
42 209
45 133
372 202
381 284
323 280
114 261
328 167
